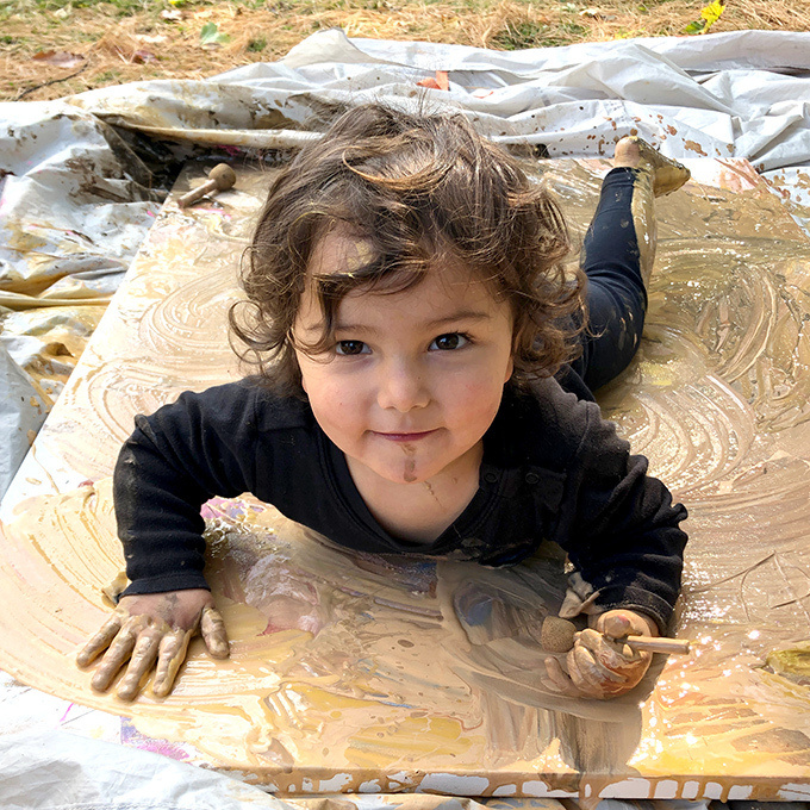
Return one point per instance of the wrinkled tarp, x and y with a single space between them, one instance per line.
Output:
82 178
22 412
60 771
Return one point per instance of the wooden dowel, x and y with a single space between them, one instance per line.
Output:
668 646
557 635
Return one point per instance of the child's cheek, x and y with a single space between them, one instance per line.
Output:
478 404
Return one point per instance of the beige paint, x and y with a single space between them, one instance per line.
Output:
349 670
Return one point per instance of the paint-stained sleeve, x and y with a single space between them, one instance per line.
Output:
619 525
175 460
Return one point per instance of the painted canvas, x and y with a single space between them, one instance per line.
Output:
354 673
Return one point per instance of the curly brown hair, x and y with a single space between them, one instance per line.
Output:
418 188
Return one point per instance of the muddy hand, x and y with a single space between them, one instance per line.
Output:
153 631
599 665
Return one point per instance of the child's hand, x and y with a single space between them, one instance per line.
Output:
153 630
599 665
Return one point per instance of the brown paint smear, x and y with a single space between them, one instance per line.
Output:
347 669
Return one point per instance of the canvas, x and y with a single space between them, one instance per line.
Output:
353 673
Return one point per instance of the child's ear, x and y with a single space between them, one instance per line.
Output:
296 365
516 336
510 368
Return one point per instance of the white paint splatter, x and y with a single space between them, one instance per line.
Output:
455 785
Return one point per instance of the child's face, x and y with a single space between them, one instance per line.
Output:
415 378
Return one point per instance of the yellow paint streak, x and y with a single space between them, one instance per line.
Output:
411 740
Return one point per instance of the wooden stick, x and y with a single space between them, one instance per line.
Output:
557 635
668 646
221 177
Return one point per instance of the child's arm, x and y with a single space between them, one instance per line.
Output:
174 461
599 665
620 526
621 530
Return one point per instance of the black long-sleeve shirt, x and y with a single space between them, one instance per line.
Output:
552 469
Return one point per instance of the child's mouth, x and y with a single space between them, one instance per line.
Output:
405 437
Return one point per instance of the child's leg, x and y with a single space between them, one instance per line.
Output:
617 257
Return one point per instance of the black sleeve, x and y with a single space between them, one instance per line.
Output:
176 459
619 525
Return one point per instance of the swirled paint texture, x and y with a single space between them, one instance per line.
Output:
355 673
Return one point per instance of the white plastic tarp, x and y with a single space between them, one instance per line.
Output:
58 771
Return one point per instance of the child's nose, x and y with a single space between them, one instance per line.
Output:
402 387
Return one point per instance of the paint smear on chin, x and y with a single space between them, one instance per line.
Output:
409 473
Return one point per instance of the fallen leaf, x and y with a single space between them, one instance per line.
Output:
172 14
440 82
62 59
142 57
210 35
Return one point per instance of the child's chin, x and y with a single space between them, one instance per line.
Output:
405 476
407 471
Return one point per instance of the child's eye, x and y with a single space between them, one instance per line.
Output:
351 347
453 340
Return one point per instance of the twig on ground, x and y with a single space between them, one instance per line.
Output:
52 81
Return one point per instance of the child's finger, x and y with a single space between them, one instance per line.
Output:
588 673
600 668
556 680
172 653
618 624
118 652
141 662
100 641
214 634
615 625
613 656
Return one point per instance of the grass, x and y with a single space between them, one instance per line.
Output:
531 35
129 40
256 45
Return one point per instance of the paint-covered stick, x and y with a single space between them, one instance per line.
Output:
557 635
655 644
221 177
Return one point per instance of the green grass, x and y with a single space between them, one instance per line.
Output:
109 76
118 8
257 45
573 29
516 36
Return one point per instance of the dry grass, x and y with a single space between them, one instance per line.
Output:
132 40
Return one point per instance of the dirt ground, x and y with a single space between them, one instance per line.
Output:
51 49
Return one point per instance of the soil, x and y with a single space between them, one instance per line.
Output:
50 49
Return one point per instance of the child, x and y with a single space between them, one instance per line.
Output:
405 282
